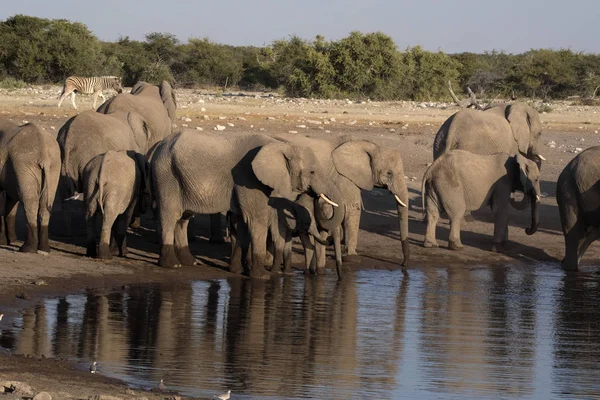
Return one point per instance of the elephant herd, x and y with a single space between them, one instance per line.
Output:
124 159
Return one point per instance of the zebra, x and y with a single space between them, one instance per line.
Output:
89 85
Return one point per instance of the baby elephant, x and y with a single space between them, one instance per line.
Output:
115 183
460 181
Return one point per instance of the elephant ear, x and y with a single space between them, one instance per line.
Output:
523 172
140 129
271 167
167 95
519 118
138 87
353 160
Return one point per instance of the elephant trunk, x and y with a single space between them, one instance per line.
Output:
314 232
535 216
402 207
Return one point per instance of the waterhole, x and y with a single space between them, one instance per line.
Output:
467 333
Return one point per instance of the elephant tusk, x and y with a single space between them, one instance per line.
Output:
542 157
76 197
400 201
327 200
537 198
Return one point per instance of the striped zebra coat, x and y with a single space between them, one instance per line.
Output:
89 85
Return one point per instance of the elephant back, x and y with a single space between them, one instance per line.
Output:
475 131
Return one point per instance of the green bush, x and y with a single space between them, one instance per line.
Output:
361 65
12 83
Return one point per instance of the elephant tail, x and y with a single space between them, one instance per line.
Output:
101 186
45 192
426 176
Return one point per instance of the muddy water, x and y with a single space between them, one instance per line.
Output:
464 333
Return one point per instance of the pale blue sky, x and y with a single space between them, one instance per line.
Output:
449 25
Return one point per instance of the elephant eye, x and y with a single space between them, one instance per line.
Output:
312 172
390 173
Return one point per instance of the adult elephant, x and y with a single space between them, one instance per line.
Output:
156 104
507 128
89 134
201 173
352 165
510 128
578 198
30 164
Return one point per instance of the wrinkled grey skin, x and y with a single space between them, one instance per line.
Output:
114 184
89 134
200 173
578 198
155 104
30 164
135 121
353 165
510 128
460 181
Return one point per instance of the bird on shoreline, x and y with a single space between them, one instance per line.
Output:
161 386
224 396
93 367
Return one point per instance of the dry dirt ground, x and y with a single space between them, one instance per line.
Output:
409 126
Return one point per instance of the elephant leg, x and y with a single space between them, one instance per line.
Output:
500 212
454 242
337 245
236 265
114 248
44 220
182 248
120 233
257 228
11 207
106 234
167 220
90 224
351 229
270 255
31 205
73 100
433 215
590 237
321 257
287 254
216 230
309 252
95 99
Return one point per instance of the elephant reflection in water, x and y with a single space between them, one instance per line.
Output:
34 339
465 341
577 336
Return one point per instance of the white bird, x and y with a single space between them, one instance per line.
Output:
224 396
93 367
161 386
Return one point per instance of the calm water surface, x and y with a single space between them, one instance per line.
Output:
465 333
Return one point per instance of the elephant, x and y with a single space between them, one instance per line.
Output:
89 134
353 165
203 173
285 218
578 198
157 105
460 181
509 128
114 184
30 163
